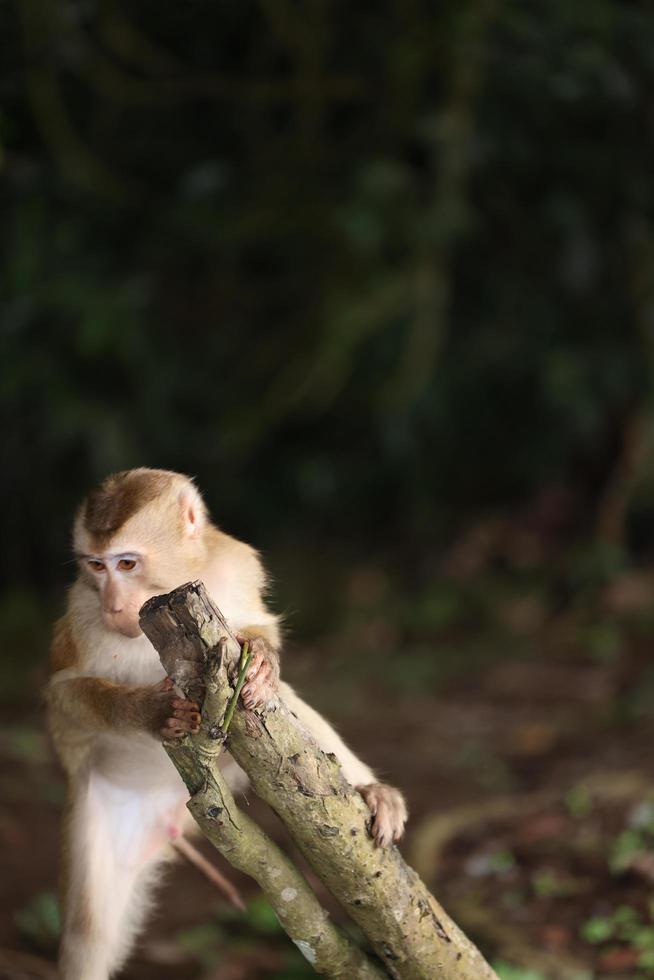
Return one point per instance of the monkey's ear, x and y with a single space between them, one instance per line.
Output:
193 512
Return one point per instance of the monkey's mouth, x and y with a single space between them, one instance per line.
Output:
131 632
128 628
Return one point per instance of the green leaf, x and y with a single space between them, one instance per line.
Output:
501 861
578 802
644 937
203 942
627 845
261 916
507 972
40 921
547 883
646 960
598 929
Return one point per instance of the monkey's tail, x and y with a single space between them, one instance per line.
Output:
193 856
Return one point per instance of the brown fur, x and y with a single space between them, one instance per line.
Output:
95 704
119 497
63 652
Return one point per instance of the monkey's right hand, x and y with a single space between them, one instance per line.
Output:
165 714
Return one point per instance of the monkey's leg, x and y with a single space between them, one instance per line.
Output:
114 844
387 805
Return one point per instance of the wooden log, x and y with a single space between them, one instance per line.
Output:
239 839
327 818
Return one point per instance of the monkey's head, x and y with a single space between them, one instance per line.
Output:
139 534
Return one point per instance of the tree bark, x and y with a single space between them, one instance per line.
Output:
327 818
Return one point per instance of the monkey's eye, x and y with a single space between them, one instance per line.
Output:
126 564
95 565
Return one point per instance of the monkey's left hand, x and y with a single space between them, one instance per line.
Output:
262 678
389 812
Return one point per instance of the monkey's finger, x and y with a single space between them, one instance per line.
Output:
382 829
262 675
257 661
185 705
166 684
250 697
260 680
186 719
191 718
184 723
173 723
258 686
400 818
170 733
388 824
256 679
259 690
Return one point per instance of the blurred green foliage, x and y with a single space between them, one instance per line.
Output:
366 271
211 942
39 921
507 972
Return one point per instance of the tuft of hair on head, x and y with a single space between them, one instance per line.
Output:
122 495
119 497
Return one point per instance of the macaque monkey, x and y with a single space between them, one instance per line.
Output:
142 533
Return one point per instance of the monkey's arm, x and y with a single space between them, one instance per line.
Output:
260 628
80 705
88 705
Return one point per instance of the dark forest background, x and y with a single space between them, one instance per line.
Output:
381 277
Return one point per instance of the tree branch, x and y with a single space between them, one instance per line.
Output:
327 818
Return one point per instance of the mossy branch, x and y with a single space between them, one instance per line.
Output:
327 818
238 838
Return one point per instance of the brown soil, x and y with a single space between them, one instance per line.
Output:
541 727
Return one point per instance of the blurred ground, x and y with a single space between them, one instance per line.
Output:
488 702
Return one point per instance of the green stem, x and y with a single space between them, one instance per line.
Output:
242 670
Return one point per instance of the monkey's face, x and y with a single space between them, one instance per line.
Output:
158 547
121 582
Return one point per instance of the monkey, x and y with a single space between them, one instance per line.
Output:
141 533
